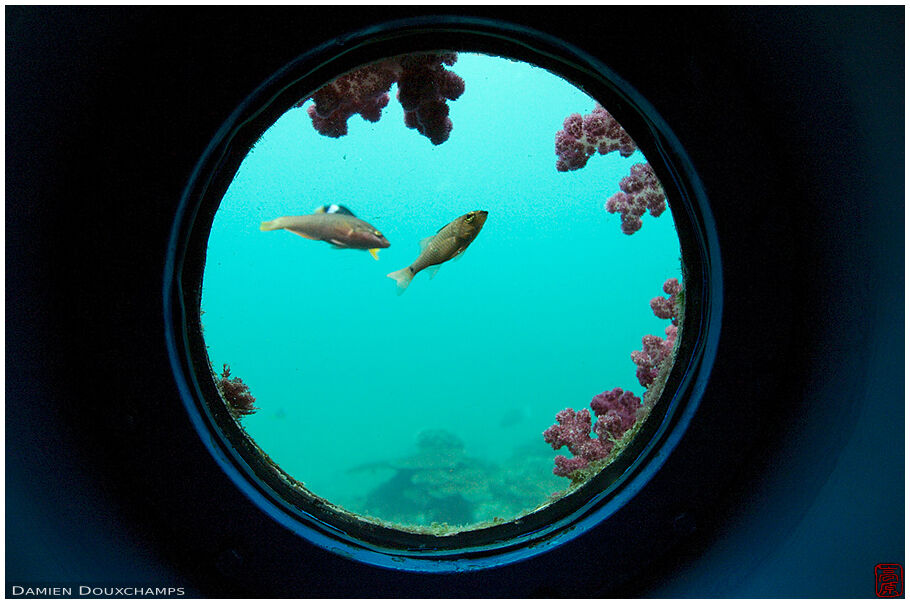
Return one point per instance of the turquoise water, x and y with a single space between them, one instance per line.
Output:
540 314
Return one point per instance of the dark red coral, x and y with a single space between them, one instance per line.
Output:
236 394
424 87
423 90
363 91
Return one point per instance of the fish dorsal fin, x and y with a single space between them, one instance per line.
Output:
425 242
339 209
432 270
333 208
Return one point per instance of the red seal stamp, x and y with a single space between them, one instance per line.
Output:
889 580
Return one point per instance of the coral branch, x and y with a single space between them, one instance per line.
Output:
424 87
652 354
599 132
655 350
639 192
616 411
582 136
363 91
668 308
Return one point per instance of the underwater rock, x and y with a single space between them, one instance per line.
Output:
440 483
436 484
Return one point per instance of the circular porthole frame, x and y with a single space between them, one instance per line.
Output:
348 535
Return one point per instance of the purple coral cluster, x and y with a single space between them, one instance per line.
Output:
668 308
598 131
582 136
424 87
639 192
363 91
654 350
615 412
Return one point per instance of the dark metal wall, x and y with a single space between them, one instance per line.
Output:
793 118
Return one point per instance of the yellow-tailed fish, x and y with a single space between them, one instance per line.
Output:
448 243
334 224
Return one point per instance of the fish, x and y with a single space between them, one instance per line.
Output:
448 243
334 224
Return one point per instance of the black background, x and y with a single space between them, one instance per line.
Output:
793 118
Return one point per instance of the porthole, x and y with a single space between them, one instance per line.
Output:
475 417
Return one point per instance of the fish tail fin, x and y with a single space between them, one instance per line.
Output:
402 278
271 225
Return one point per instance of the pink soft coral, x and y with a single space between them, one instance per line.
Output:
616 412
582 136
640 192
654 350
668 308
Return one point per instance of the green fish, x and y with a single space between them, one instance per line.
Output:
334 224
448 243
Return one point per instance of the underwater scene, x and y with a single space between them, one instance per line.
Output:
425 312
